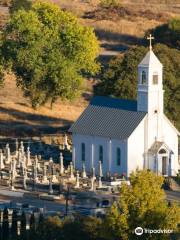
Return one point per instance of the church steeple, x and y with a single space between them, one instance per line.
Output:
150 87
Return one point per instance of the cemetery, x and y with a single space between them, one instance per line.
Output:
26 176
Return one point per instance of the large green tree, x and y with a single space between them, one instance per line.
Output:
49 52
143 205
120 77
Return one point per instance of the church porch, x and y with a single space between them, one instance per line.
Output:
161 159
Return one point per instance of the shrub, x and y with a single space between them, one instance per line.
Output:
109 3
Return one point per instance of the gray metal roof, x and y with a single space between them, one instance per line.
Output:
108 117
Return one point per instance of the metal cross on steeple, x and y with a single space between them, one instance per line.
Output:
150 38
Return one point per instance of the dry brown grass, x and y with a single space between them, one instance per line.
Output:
18 118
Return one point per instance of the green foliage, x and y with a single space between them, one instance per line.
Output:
177 178
174 25
1 67
41 218
49 229
49 51
14 225
143 204
1 75
109 3
19 5
32 233
23 226
168 34
5 225
120 78
81 228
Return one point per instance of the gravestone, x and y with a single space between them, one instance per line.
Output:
83 170
2 166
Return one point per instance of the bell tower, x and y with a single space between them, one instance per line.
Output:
150 92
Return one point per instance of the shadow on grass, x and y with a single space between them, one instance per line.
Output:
115 43
38 125
124 39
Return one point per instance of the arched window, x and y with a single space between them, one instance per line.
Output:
118 156
101 153
143 77
83 151
155 78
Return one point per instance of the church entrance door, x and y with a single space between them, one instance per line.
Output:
164 165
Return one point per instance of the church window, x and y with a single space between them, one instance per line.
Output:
118 154
83 150
143 77
101 153
155 78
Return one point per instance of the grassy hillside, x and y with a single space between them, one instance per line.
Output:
117 30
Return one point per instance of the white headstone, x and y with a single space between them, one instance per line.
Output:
99 183
92 184
28 157
71 171
24 179
93 173
22 147
44 179
8 154
66 145
17 147
1 160
35 172
50 186
83 171
61 164
77 180
14 168
100 169
54 176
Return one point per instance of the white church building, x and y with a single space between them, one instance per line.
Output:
124 134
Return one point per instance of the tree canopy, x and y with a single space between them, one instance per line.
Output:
141 205
49 52
81 228
119 79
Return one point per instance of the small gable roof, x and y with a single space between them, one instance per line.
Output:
157 146
109 117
